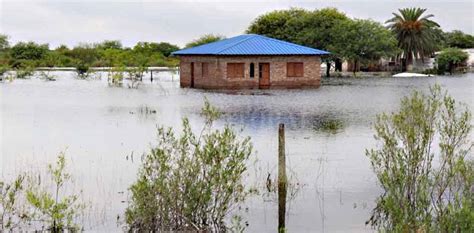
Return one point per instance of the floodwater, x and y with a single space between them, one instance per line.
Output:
105 129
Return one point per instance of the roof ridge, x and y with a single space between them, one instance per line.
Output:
286 42
236 43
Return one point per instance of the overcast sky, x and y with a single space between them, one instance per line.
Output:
70 22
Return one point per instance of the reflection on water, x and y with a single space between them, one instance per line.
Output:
104 127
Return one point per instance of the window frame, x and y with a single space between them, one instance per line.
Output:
234 69
252 70
295 69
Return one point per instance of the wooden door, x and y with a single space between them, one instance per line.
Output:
264 75
192 75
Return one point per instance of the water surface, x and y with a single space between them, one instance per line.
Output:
105 129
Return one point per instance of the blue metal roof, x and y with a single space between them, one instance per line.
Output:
250 44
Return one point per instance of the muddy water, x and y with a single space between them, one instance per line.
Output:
105 129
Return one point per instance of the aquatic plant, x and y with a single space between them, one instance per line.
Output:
3 69
82 70
47 76
56 208
328 124
418 194
24 72
12 211
191 181
136 73
116 75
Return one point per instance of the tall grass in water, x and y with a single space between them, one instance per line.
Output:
191 181
418 195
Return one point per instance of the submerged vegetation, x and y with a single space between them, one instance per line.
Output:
54 208
12 212
328 124
29 203
425 189
190 182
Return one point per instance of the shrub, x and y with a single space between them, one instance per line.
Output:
55 208
24 72
419 196
82 69
12 213
451 58
190 182
116 75
3 69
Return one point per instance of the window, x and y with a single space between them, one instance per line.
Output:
252 70
205 69
235 70
294 69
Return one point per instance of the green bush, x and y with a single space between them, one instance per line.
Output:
190 182
82 69
4 69
451 58
420 195
24 71
28 51
58 210
115 75
12 213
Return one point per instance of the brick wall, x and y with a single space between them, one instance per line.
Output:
217 77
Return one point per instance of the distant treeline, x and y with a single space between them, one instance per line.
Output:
109 53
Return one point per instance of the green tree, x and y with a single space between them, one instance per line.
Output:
281 24
309 28
459 39
414 32
28 51
208 38
166 48
83 53
149 48
190 182
4 43
362 41
318 32
451 58
62 49
420 195
109 44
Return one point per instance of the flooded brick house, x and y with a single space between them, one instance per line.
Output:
250 62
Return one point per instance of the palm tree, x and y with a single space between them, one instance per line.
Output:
415 33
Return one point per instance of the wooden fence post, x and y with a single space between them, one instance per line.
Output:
282 180
151 75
